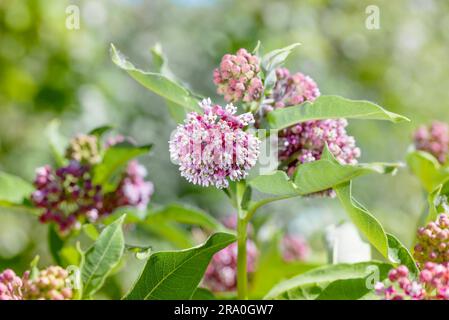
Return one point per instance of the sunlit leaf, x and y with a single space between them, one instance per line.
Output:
102 257
158 83
330 107
332 282
427 168
176 274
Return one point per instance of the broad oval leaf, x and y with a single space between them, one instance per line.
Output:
99 260
363 219
324 174
114 159
427 168
332 282
176 274
158 83
330 107
14 191
277 183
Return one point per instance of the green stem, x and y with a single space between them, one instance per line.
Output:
242 279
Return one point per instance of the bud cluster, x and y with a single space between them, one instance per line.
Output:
237 78
431 284
433 241
433 139
49 284
10 286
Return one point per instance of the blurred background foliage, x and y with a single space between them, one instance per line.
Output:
48 71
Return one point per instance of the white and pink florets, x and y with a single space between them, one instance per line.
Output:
213 146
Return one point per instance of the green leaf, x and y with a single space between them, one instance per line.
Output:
183 214
100 131
176 274
332 282
158 83
324 174
114 159
14 191
58 142
277 183
274 59
427 169
438 201
401 254
160 63
363 219
330 107
387 244
203 294
102 257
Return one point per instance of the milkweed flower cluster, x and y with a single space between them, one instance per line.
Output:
431 284
10 286
133 189
69 196
221 274
433 241
237 78
49 284
291 90
84 149
433 139
304 142
213 146
294 248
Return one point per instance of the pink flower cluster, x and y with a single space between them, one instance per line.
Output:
294 248
213 146
237 78
10 286
69 196
432 283
49 284
66 194
133 190
221 274
304 142
291 90
434 139
433 241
